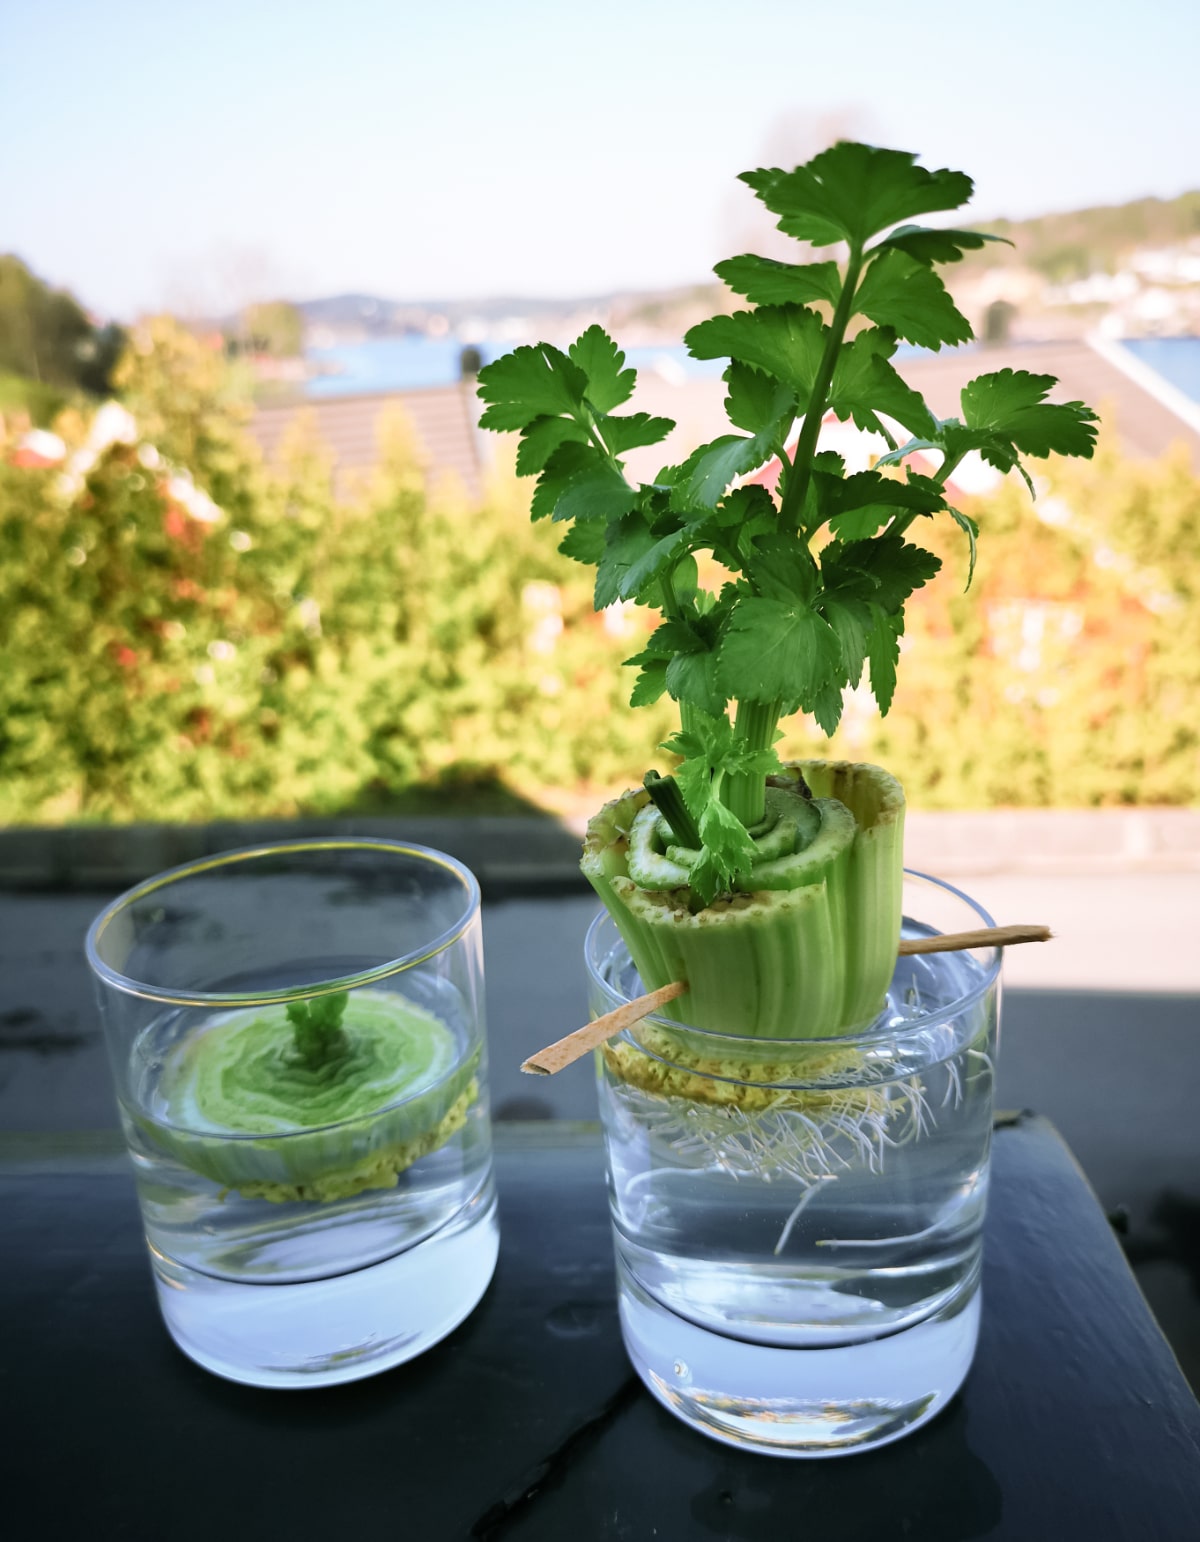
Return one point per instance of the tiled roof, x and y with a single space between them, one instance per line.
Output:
442 416
1145 427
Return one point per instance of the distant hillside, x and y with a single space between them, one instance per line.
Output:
1052 250
1057 279
1063 247
375 314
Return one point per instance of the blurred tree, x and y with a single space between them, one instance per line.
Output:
275 327
45 336
189 406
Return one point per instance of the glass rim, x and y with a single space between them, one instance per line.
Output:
130 986
867 1034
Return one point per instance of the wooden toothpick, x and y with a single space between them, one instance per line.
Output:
563 1052
555 1056
985 937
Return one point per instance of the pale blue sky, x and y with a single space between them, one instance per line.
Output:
190 153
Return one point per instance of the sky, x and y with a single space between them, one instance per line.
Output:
201 155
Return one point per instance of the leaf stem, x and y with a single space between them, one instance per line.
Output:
670 599
668 799
798 478
743 792
901 522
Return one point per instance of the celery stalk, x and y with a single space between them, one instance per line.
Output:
806 961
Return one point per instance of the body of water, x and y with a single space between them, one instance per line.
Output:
1176 359
413 363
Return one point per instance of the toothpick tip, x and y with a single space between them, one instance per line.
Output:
531 1069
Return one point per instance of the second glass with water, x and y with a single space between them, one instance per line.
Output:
297 1042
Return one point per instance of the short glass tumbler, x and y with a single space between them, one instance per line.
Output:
798 1225
297 1040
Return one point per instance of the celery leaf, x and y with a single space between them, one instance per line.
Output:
1011 404
865 384
756 401
776 649
784 340
609 383
851 191
577 482
930 245
764 281
901 293
971 527
528 383
584 541
541 438
636 428
708 471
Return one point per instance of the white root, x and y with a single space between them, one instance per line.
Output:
801 1205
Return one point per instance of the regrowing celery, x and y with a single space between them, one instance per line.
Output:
783 915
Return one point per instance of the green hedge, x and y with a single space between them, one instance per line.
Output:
308 655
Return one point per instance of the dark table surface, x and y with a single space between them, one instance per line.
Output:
528 1423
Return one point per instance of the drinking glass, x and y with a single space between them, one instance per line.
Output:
798 1222
297 1042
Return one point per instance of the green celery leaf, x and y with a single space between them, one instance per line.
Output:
781 568
694 775
608 382
674 637
777 648
887 568
627 541
852 191
649 565
827 708
728 852
577 482
766 282
541 438
1011 404
650 684
756 401
741 518
910 447
883 650
692 678
865 384
851 620
901 293
686 582
867 487
528 383
637 428
709 741
749 510
584 541
858 524
785 340
700 748
928 245
861 504
966 523
709 470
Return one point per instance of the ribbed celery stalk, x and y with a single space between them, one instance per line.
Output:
807 948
